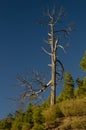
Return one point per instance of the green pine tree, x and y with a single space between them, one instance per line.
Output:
81 87
83 62
28 116
38 119
68 89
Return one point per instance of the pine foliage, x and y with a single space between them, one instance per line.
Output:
83 62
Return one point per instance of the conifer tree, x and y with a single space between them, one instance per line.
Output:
83 62
38 119
68 89
28 116
81 87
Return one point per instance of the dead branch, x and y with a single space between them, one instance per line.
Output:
59 70
46 51
32 92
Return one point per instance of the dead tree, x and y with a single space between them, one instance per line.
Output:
57 68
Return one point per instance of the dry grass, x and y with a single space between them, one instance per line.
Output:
73 123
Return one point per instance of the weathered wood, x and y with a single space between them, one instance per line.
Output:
57 68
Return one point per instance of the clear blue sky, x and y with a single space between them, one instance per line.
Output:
21 40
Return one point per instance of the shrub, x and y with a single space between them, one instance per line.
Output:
75 107
51 116
5 125
17 125
38 127
26 126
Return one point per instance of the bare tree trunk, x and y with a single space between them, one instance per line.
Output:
53 67
53 85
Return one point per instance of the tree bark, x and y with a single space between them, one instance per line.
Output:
53 71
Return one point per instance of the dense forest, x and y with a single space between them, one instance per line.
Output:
69 112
